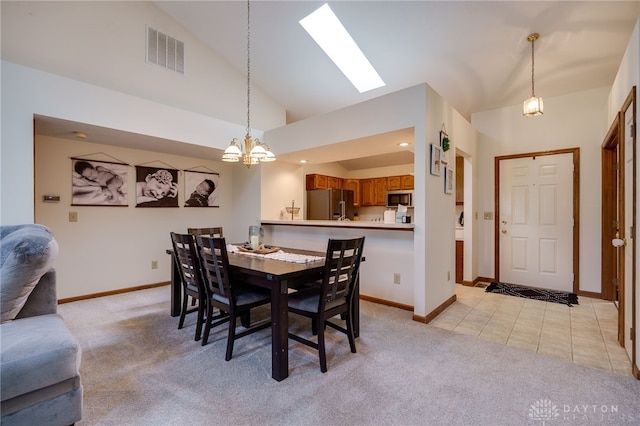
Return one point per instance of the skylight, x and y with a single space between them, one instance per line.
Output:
325 28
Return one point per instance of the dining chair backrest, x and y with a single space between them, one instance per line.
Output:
215 267
186 255
214 232
341 270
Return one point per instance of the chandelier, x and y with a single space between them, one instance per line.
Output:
532 106
254 152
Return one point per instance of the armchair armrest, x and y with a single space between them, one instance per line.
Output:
43 299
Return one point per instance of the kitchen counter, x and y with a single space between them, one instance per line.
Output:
342 224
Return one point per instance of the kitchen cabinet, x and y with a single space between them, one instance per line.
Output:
334 182
407 181
315 181
374 191
459 262
353 185
459 180
397 183
380 191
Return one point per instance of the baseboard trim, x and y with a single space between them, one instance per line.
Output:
484 279
437 311
590 294
386 302
112 292
636 372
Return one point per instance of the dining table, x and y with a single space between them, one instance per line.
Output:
279 277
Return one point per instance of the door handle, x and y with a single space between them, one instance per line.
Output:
619 242
504 231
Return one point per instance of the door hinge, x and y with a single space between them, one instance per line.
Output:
631 336
616 166
614 224
615 282
633 130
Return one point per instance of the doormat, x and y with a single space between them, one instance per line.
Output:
533 293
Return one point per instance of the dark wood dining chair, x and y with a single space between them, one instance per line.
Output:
188 265
334 295
223 292
214 232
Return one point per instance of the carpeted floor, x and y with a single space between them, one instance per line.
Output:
139 369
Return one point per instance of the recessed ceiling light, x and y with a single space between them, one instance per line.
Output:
80 135
403 144
327 30
303 161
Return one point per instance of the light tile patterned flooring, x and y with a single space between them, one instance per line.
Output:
585 334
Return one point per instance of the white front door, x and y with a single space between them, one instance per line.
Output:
536 221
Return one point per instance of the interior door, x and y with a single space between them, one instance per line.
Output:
536 222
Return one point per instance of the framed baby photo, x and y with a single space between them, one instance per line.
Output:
201 189
98 183
448 180
436 159
156 187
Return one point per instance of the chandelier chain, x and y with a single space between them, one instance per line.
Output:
533 92
248 67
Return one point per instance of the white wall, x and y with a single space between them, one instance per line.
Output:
103 43
110 248
576 120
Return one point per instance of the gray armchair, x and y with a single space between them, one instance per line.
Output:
40 359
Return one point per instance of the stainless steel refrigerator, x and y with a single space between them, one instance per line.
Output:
330 204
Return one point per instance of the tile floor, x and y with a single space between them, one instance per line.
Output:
585 334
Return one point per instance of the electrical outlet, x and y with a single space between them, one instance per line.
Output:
73 216
396 278
154 264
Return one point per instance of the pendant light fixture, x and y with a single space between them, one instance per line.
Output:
255 152
532 106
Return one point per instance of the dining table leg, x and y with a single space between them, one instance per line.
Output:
279 331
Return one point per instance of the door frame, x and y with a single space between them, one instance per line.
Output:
613 266
576 207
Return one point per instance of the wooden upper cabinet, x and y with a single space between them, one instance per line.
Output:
315 181
394 183
398 183
380 192
366 192
407 181
353 185
334 182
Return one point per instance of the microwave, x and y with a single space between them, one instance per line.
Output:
399 197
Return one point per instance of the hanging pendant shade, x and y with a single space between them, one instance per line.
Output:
534 105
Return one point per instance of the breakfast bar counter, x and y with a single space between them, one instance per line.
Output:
343 224
386 273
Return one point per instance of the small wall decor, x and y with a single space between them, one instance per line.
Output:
445 144
98 183
448 180
203 188
156 187
436 159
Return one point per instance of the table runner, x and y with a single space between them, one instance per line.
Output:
278 255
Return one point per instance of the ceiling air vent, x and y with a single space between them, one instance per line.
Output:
165 51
